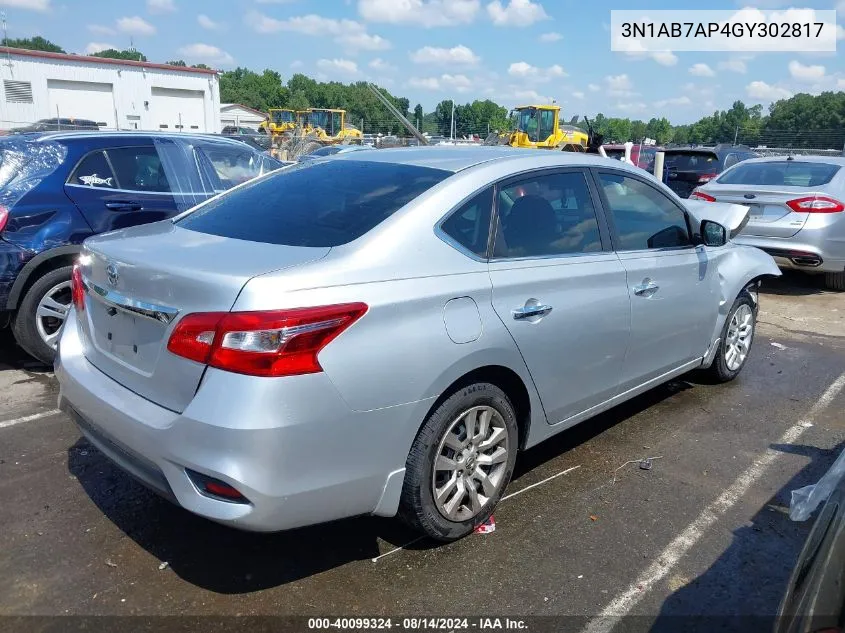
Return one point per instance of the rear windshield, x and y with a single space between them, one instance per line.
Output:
788 173
692 161
315 204
617 154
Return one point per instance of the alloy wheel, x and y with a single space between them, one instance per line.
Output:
51 313
470 463
740 333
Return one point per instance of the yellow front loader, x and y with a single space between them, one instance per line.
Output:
538 126
327 126
279 121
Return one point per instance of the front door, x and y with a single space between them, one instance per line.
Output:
672 284
559 290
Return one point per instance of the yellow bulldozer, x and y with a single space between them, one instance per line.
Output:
538 127
312 129
279 121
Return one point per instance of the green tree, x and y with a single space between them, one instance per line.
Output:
660 130
36 43
418 115
639 130
112 53
203 66
177 62
253 90
298 101
443 116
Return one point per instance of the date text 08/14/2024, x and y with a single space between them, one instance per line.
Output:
418 624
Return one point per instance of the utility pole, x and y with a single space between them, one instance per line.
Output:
452 124
736 134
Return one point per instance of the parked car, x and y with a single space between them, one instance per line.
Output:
257 139
372 334
685 168
58 189
797 212
239 129
641 155
331 150
55 125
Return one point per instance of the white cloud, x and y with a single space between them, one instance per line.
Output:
33 5
805 73
135 26
677 101
764 92
631 106
207 54
160 6
297 63
619 82
424 83
338 67
578 95
701 70
96 47
734 66
664 58
207 23
461 83
362 42
516 13
426 13
593 87
457 55
378 64
840 84
539 75
101 29
551 37
350 34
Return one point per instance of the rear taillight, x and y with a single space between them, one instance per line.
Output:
272 343
816 204
77 289
706 178
4 217
700 195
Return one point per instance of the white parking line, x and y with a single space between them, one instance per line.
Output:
628 599
28 418
503 499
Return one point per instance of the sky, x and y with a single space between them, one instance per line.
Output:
511 51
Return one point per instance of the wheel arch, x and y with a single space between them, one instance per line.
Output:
40 265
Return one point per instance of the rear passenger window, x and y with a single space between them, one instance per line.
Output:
232 165
94 171
644 217
547 215
469 226
139 169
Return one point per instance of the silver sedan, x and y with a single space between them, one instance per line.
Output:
382 333
797 211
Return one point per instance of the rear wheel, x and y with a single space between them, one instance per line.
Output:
42 313
835 281
737 337
460 463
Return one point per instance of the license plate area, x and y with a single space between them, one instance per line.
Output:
131 339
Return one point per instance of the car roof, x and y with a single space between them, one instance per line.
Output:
94 134
831 160
455 158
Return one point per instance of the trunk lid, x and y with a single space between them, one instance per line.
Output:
685 170
143 280
769 214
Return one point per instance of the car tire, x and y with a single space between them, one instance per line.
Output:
28 333
835 281
737 335
444 439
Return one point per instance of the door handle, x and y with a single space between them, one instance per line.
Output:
124 205
526 312
646 289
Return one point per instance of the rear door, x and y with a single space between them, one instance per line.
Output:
768 187
672 284
559 290
122 186
686 169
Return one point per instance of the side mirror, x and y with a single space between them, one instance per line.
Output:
713 233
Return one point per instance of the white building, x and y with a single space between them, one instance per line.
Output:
240 116
115 93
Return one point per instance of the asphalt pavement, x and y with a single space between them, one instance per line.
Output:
584 531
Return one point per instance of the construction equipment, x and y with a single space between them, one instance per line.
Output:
279 121
399 116
538 126
326 126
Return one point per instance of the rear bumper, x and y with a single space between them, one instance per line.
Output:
800 254
12 261
291 446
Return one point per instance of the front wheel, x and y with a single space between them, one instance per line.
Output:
460 463
737 337
42 313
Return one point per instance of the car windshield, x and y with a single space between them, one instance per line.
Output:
282 116
526 121
319 119
282 209
692 161
787 173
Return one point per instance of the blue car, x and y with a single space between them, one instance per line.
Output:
58 189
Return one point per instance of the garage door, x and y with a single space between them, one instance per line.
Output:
177 110
82 100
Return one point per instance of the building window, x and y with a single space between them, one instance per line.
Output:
17 91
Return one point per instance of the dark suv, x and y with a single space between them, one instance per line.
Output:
58 189
56 125
685 168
